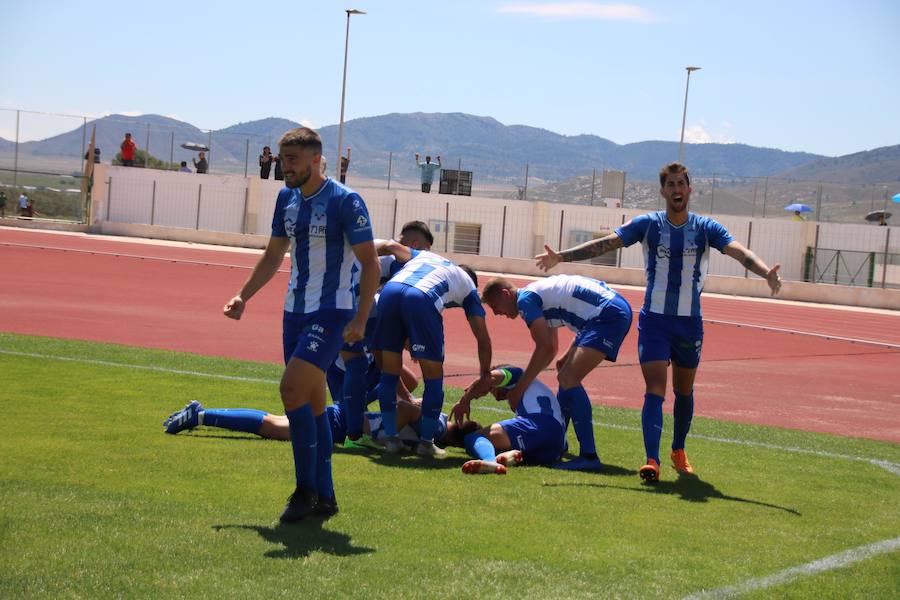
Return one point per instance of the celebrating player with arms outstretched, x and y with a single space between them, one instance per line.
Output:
676 254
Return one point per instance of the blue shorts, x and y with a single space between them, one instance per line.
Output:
606 332
670 337
540 438
315 337
405 312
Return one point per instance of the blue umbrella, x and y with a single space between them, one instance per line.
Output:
896 197
802 207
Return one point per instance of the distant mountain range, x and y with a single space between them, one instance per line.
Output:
491 150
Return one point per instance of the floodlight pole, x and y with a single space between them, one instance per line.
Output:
684 114
337 169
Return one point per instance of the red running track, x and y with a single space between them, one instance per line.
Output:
171 296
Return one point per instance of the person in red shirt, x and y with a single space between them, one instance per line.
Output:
128 150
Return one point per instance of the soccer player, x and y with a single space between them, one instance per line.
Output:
409 308
413 234
325 225
676 254
535 436
601 319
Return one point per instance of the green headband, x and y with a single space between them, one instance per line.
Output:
507 377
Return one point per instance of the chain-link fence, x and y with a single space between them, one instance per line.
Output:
54 145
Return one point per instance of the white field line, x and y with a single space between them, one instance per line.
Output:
829 563
806 333
884 464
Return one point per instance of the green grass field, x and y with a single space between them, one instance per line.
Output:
99 502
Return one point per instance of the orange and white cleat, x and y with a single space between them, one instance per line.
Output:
650 471
510 458
483 467
680 462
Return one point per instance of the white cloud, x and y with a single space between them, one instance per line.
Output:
697 134
582 10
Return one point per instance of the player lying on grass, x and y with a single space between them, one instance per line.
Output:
276 427
535 436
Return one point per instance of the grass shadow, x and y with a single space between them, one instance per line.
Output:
688 487
301 539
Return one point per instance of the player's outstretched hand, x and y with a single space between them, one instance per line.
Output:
549 259
773 279
234 308
460 411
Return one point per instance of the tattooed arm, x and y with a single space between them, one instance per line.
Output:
751 261
550 258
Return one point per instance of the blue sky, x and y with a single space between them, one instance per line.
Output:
821 77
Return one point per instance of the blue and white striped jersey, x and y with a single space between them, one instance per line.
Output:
444 282
676 258
323 228
539 399
564 300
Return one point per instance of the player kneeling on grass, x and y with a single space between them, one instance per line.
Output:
600 318
410 310
535 436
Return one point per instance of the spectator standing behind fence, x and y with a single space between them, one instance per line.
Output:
279 174
184 168
427 170
797 216
2 203
128 148
201 165
26 206
265 163
96 155
345 164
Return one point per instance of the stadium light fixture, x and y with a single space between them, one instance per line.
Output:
684 114
337 163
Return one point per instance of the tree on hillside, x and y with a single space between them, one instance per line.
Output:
142 159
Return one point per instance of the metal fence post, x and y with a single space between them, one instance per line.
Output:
887 242
199 195
712 198
394 218
593 183
246 157
108 197
749 238
446 224
765 196
16 155
147 149
84 144
172 148
503 231
390 167
153 204
209 152
562 218
753 210
525 192
815 278
819 201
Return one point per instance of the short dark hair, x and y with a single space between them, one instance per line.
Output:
493 286
673 169
184 163
470 273
419 227
303 137
456 435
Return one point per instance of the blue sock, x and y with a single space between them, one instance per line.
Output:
354 394
303 442
652 424
432 402
479 446
579 407
235 419
684 413
323 458
334 379
387 401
